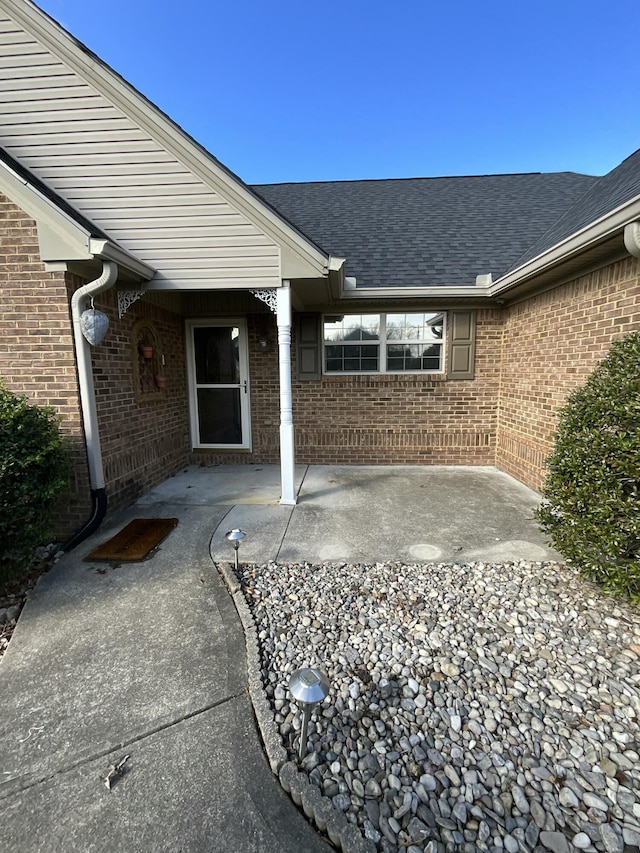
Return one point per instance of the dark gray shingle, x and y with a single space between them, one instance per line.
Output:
428 231
609 192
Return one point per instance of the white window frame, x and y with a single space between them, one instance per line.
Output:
381 342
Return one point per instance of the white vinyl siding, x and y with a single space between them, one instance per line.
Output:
70 136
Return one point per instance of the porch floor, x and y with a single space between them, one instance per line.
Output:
363 513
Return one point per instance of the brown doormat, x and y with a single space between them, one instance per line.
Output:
135 541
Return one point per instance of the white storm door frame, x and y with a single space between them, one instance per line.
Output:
242 385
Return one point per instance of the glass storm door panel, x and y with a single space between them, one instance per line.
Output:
219 385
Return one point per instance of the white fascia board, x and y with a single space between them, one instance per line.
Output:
106 250
168 134
593 233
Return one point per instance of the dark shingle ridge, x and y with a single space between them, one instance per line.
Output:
412 178
431 231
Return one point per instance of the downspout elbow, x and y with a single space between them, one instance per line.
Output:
106 280
632 238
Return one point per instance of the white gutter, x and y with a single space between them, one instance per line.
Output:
335 263
106 250
79 302
414 292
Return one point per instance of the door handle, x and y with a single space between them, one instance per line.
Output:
245 386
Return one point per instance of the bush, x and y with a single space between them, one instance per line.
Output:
34 470
592 507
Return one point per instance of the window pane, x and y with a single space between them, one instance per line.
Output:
413 357
414 342
432 357
352 327
415 327
219 419
352 358
216 355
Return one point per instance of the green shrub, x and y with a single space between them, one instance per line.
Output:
34 470
592 507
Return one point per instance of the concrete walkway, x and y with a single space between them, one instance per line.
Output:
147 659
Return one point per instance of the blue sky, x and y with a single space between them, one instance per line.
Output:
295 91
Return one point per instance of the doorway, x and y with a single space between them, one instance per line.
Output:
219 384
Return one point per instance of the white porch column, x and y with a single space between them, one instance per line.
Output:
287 453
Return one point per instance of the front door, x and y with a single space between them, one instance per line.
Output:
219 383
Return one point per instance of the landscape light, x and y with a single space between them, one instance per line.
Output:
308 687
235 536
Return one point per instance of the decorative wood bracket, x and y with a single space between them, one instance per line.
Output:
269 297
126 298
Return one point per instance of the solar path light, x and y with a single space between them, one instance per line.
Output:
308 687
235 536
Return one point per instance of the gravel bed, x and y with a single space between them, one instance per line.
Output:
473 707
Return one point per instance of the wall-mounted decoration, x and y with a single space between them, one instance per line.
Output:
149 378
94 325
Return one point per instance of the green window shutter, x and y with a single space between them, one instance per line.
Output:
462 344
308 348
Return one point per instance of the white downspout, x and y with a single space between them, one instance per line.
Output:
85 372
88 404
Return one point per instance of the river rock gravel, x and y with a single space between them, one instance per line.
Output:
472 708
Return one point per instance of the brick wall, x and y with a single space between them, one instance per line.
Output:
384 419
403 419
36 346
551 344
144 440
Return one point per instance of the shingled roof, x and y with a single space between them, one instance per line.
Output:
614 189
428 232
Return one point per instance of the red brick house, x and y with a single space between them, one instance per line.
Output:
431 320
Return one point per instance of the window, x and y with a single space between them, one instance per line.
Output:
383 343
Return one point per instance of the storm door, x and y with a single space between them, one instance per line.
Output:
219 384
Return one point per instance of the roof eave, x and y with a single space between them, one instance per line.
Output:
61 239
596 232
108 251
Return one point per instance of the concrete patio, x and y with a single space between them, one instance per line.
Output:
364 513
